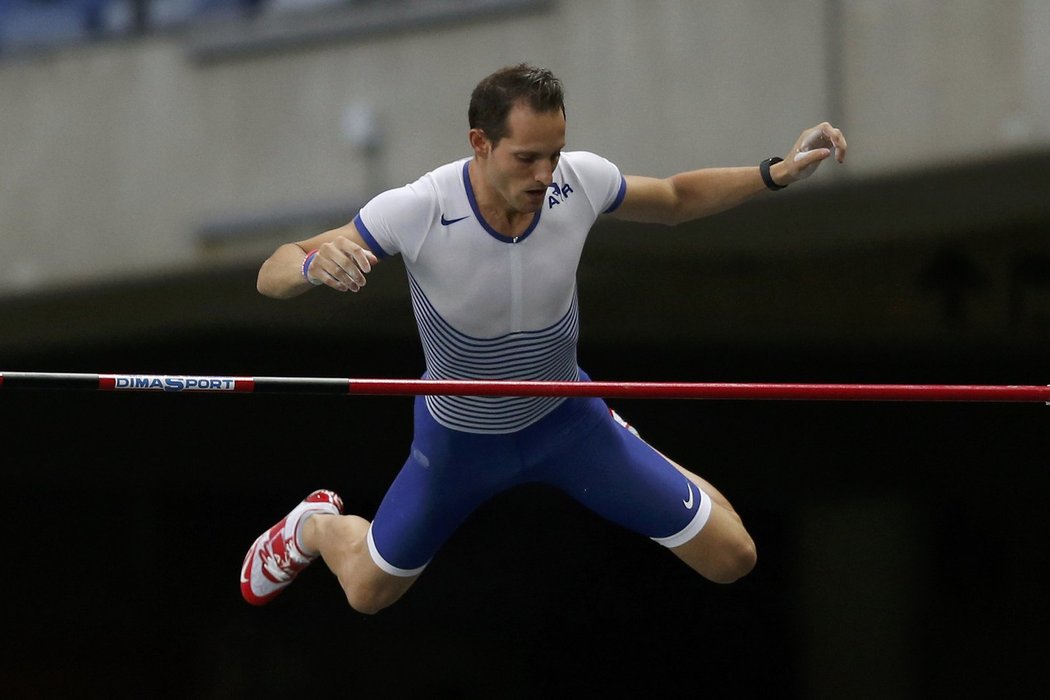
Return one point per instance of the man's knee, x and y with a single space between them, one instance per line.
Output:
737 560
372 591
370 599
724 560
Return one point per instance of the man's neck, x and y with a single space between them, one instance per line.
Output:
496 211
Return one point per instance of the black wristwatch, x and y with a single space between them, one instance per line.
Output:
763 168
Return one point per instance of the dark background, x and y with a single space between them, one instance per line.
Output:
901 545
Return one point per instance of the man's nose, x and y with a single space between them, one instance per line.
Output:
543 172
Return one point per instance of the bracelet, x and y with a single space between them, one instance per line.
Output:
306 268
763 168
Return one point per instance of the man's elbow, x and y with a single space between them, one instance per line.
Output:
265 285
674 218
263 288
671 216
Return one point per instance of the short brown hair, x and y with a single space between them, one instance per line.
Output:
492 99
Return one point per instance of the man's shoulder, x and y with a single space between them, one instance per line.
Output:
584 157
580 154
430 187
592 174
419 201
443 177
587 163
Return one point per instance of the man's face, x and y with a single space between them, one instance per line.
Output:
521 166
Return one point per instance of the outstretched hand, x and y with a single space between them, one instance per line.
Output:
812 147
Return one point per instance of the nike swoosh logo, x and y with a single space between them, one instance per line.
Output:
449 222
689 503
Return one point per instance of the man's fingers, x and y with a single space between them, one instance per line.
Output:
822 136
364 259
346 265
353 274
815 145
837 142
828 136
807 158
339 274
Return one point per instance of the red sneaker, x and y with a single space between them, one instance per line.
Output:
275 558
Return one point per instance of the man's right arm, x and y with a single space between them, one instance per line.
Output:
342 261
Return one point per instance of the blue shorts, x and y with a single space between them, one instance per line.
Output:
581 447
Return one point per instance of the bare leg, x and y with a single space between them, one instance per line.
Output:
723 551
341 540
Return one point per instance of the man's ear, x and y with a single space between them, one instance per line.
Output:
479 143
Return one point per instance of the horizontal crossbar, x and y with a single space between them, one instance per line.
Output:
625 390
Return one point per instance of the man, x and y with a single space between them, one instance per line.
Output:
491 245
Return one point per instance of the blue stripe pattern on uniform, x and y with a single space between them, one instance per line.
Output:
548 354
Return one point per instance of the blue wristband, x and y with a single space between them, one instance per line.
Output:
306 268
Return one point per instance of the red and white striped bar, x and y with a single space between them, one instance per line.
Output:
619 390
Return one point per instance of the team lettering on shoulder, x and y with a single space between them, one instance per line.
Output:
561 193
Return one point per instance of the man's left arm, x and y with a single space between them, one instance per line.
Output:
699 193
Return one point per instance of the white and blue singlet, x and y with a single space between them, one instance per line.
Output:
489 307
